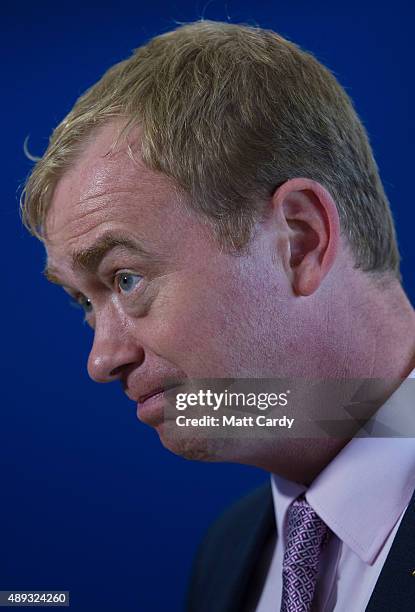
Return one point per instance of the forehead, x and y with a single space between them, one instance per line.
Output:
114 191
101 177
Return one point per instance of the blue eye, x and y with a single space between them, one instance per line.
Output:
86 304
127 281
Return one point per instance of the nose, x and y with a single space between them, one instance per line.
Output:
113 350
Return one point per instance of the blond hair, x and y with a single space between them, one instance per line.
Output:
231 112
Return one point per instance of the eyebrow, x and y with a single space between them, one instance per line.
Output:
89 259
52 276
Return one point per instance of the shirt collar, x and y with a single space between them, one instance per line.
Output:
363 491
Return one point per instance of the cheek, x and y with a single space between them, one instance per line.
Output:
206 329
193 333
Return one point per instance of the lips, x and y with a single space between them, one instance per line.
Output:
147 396
151 406
157 391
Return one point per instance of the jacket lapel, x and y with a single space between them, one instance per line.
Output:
395 588
254 525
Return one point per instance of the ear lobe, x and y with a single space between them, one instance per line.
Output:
307 276
314 229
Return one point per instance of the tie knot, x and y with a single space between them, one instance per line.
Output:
307 534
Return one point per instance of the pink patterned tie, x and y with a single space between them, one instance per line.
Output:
307 535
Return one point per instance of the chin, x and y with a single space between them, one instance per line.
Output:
195 448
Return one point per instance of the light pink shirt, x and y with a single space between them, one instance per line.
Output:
362 496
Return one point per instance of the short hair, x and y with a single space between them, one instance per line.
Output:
229 113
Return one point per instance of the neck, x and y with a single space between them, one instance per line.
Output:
380 329
385 333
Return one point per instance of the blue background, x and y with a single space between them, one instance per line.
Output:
90 501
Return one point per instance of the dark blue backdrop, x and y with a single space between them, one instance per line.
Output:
90 501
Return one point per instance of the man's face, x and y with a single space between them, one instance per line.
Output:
164 300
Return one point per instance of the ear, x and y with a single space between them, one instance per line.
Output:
313 229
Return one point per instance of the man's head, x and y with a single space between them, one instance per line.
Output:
230 113
214 204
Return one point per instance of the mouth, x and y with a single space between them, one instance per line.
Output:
143 398
150 407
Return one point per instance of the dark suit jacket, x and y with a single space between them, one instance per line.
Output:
231 565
